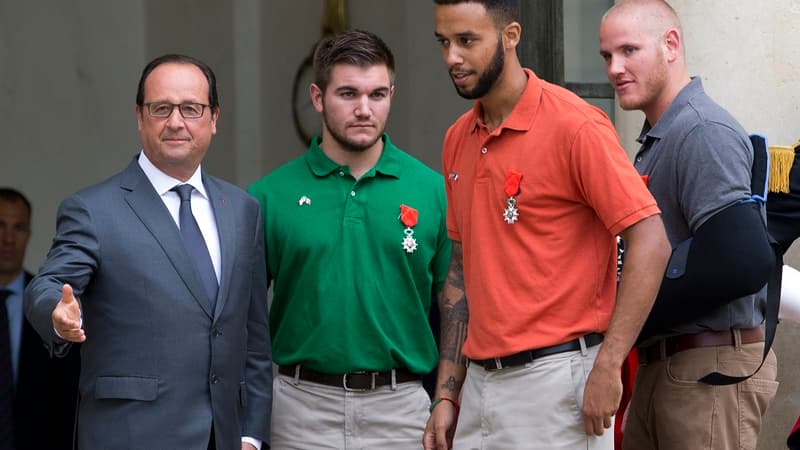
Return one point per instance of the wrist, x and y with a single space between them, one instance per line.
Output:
438 400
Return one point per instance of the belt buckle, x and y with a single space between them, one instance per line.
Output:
361 372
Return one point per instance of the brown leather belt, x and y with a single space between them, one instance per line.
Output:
675 344
524 357
354 381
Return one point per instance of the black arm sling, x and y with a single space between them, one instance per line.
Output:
730 256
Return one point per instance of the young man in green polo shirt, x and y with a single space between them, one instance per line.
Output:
356 248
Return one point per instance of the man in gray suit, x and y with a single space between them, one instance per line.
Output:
164 285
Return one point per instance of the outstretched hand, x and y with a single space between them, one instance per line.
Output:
67 317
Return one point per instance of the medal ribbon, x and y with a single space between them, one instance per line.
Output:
408 216
513 179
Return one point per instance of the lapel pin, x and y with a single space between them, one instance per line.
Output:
304 200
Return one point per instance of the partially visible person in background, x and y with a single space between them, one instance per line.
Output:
38 394
783 221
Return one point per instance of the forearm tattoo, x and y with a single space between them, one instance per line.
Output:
451 385
454 310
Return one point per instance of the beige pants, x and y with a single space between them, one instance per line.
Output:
670 410
535 406
309 416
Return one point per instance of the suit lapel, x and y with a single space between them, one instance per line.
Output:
226 229
148 206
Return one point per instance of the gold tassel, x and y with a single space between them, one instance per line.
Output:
781 158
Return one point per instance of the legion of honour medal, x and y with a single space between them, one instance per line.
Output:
511 188
409 217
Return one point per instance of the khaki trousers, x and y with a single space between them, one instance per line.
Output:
535 406
309 416
671 410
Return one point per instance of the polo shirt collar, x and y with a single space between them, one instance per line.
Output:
524 112
680 101
388 164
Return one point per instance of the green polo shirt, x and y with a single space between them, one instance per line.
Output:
347 294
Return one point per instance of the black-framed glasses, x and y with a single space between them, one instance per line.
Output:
164 109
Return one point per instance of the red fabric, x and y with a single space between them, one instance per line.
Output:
408 215
793 441
511 186
628 377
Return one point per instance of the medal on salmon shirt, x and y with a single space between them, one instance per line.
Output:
511 188
409 216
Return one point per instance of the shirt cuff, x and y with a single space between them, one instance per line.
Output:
255 442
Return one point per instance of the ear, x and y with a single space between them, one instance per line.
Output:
316 96
391 91
214 116
673 44
139 117
511 35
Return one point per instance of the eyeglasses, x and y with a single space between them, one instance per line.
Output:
188 110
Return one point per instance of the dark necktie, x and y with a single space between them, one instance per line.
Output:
6 378
195 244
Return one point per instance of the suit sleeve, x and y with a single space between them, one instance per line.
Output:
73 259
259 354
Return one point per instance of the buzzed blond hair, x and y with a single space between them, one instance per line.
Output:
655 16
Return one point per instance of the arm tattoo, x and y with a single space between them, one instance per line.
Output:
453 306
451 385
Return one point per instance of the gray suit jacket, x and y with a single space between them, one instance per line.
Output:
158 366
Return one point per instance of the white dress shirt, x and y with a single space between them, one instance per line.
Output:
201 206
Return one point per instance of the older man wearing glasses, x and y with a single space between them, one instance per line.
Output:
159 271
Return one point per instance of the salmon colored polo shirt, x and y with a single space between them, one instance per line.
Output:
549 277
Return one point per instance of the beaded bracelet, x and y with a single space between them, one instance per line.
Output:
445 399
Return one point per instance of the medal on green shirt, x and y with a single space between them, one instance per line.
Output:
409 216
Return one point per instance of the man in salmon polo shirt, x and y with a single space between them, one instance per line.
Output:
537 189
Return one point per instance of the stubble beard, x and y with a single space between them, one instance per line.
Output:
489 76
348 144
652 87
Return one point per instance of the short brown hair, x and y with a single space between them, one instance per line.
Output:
353 47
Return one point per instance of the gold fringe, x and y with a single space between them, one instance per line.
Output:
781 158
